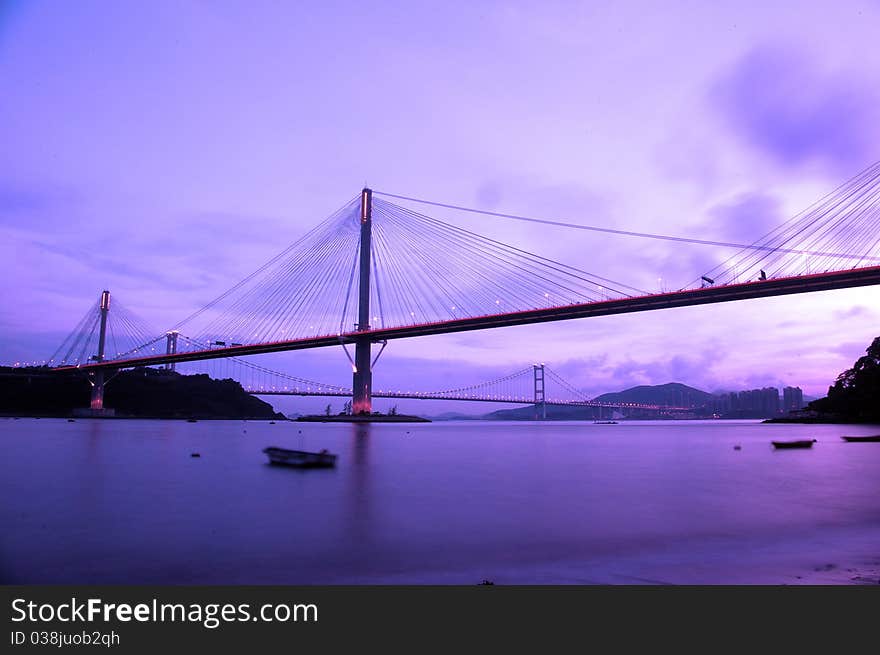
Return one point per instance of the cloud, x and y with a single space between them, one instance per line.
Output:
850 349
602 374
38 207
608 256
853 312
745 218
689 153
783 104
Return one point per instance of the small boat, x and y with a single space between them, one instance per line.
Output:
604 422
801 443
869 438
191 420
300 458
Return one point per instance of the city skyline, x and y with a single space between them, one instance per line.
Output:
723 145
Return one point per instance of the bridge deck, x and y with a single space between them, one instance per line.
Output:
759 289
483 399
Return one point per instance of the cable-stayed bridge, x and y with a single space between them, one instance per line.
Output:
375 271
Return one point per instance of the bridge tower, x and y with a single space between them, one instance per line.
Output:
97 399
170 347
539 390
362 383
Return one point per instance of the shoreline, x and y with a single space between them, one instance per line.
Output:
821 421
373 418
74 417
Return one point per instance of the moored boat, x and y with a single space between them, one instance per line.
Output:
800 443
864 439
300 458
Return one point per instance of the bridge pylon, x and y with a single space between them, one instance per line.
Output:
170 347
96 403
539 391
362 382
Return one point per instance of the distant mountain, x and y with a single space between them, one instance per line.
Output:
554 413
672 394
454 416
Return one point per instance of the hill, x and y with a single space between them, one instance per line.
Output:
454 416
855 395
140 393
672 394
554 413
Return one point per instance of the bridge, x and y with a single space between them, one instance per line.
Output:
376 271
536 385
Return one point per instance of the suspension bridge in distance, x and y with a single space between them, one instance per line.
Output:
536 385
375 271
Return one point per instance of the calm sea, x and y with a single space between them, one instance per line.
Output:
119 501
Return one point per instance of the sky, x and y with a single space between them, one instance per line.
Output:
164 150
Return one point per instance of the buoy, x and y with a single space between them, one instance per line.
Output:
195 455
737 447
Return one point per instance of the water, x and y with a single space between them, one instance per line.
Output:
113 501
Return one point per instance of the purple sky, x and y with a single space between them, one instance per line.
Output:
163 150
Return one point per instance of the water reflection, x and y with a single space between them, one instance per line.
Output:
358 523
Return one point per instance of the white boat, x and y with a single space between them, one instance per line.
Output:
300 458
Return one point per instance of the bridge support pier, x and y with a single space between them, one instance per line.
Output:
97 399
362 381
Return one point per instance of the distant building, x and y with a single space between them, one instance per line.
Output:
754 403
792 399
